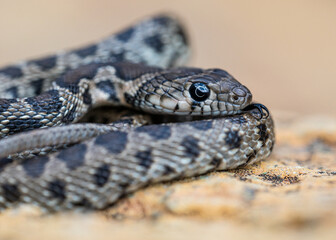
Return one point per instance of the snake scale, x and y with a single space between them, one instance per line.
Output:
137 68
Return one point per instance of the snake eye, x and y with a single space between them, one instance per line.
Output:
199 91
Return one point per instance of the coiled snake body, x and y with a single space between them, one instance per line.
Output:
125 69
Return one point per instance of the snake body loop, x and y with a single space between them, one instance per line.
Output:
104 162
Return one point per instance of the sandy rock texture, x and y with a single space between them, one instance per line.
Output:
292 195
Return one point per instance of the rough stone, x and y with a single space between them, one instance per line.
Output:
291 195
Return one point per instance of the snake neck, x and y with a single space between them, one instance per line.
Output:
71 97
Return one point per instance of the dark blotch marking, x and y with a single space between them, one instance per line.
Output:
155 42
215 162
168 170
37 85
13 91
45 63
73 77
117 57
47 102
158 132
57 189
70 116
162 20
221 73
182 72
201 125
262 132
145 158
238 120
84 202
72 87
124 36
271 149
194 105
232 139
12 72
34 167
191 146
182 33
102 175
186 71
73 156
4 162
124 185
11 192
125 182
129 71
129 98
115 142
108 87
251 156
87 97
86 51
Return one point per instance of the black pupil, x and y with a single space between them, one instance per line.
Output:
199 91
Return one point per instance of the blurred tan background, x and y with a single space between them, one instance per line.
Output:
284 51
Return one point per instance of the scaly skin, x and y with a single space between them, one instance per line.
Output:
119 159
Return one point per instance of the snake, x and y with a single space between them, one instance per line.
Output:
212 122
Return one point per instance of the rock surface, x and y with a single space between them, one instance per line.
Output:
292 195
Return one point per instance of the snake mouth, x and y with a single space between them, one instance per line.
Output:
257 109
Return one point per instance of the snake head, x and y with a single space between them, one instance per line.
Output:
193 91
